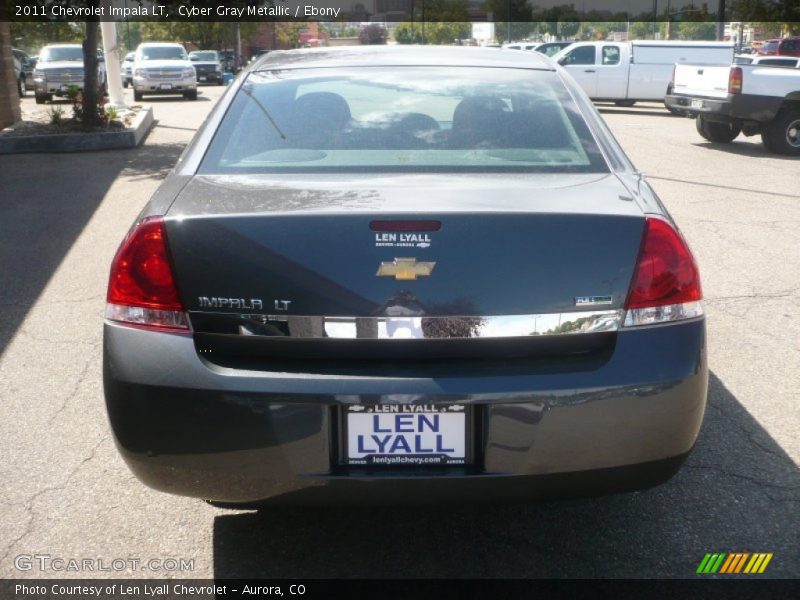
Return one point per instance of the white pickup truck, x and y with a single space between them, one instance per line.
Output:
625 72
749 99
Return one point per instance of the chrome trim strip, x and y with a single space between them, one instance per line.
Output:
414 326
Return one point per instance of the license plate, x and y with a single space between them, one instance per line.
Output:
201 78
406 434
166 86
697 104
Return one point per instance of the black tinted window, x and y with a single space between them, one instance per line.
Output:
583 55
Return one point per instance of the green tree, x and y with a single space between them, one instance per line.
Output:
408 33
559 21
31 36
641 30
518 12
696 30
443 11
446 33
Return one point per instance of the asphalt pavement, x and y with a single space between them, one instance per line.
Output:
67 494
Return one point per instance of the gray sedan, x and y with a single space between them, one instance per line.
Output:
405 274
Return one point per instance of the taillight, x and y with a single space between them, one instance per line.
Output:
735 80
141 288
666 283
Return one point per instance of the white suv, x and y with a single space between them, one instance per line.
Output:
163 68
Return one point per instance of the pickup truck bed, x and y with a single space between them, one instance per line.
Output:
749 99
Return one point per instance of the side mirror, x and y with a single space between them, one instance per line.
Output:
562 60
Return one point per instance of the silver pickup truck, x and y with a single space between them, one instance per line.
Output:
60 67
749 99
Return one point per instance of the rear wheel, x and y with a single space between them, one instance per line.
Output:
125 84
21 87
42 98
625 103
782 134
137 96
720 133
190 95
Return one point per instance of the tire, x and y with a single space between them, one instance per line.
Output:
40 98
220 81
190 95
625 103
137 96
782 134
719 133
21 87
125 84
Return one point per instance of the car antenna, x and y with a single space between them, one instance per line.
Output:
263 108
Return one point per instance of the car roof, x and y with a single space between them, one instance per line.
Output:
63 46
361 56
149 44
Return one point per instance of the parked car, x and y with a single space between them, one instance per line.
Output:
552 48
163 68
23 67
127 69
767 60
521 46
403 272
59 68
750 99
788 46
207 65
626 72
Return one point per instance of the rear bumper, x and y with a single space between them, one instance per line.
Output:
187 427
732 108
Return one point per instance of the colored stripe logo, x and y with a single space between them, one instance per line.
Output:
734 563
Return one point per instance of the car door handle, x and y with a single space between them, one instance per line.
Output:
589 71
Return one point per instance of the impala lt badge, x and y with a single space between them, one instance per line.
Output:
238 303
405 269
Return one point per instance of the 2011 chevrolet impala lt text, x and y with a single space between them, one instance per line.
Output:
406 274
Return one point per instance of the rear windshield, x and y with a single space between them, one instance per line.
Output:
59 53
769 47
403 119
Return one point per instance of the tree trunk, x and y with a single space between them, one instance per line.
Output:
9 99
90 83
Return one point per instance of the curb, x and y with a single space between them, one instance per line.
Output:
81 142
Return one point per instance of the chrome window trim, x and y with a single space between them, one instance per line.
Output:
415 326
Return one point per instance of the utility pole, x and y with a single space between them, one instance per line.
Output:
655 17
721 20
508 23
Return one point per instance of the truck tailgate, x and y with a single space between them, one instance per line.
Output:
710 81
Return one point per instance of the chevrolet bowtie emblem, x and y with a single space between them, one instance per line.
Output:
405 269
